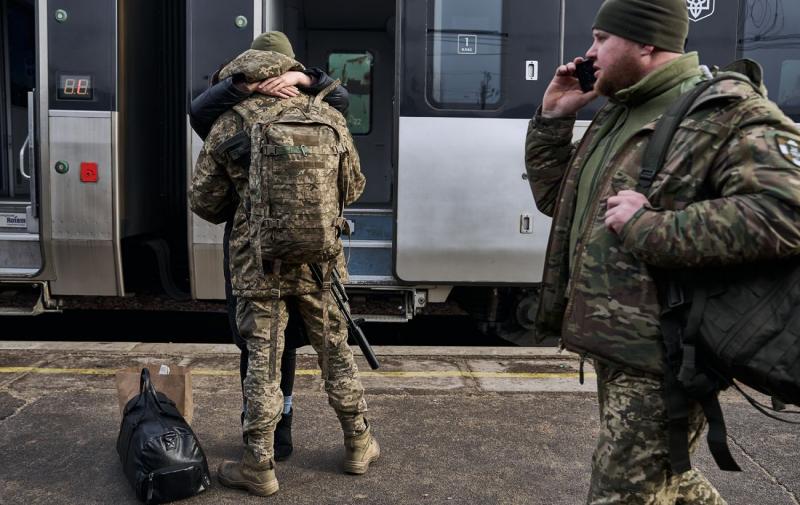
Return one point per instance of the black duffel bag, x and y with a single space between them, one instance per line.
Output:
160 454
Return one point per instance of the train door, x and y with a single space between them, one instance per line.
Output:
359 50
471 75
20 250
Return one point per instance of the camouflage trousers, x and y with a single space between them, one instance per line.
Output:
255 320
630 465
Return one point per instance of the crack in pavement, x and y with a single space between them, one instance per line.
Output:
5 387
764 470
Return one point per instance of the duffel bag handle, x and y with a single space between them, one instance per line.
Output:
146 389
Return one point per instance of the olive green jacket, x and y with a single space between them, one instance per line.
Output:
728 192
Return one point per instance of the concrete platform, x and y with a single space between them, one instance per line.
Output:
457 426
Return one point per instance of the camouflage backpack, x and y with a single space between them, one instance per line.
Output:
296 181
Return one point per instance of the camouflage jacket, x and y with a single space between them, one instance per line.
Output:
214 172
728 192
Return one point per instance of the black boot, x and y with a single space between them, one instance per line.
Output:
283 437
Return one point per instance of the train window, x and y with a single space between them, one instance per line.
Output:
771 37
355 72
465 49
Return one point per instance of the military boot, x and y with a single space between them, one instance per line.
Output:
360 451
283 437
256 478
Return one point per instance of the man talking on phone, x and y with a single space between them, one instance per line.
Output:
727 194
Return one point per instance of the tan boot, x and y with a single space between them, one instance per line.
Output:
256 478
360 451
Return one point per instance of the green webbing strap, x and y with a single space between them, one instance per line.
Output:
275 294
275 150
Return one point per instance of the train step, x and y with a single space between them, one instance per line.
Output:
25 299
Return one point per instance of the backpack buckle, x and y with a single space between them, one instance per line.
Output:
303 150
675 295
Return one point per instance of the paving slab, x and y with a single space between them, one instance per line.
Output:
453 430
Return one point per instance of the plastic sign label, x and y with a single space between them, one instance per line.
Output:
467 44
700 9
8 220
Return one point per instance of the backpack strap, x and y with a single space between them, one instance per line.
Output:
656 151
317 100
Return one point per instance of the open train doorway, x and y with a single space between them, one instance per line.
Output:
20 253
355 43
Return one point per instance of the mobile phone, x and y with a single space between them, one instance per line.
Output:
585 74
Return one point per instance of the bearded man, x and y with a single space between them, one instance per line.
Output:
727 195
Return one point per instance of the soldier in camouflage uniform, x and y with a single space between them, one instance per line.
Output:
253 284
728 192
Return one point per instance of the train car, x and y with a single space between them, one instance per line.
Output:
97 150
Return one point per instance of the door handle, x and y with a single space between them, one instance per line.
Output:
22 158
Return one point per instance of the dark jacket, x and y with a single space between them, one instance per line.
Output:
210 104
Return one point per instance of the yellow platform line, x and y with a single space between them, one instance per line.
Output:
419 374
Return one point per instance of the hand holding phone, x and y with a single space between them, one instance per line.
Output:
584 71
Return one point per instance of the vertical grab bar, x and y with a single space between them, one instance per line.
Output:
32 153
22 158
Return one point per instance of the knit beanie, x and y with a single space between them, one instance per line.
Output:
660 23
273 41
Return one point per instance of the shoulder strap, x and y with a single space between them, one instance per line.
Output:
678 339
656 151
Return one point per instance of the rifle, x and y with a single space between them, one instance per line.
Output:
353 330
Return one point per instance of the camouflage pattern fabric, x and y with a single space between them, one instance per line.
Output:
258 311
298 148
258 65
210 195
726 194
630 465
262 391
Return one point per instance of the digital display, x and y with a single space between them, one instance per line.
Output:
75 87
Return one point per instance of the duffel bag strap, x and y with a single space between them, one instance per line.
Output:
148 391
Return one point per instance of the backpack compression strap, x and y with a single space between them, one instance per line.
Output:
679 342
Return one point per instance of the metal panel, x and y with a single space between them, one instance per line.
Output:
84 43
84 267
209 279
460 197
81 210
20 251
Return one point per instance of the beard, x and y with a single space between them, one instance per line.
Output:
622 73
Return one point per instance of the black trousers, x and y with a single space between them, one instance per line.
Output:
295 332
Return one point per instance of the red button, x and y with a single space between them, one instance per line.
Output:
88 171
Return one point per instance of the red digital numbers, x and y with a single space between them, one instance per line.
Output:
73 87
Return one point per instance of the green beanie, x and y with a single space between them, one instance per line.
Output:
273 41
660 23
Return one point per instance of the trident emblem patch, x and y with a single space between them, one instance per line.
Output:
700 9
